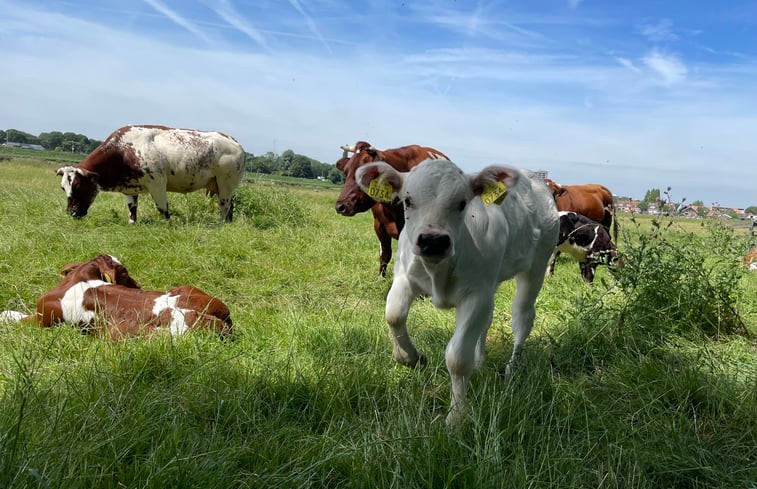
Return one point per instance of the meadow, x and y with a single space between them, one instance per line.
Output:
646 378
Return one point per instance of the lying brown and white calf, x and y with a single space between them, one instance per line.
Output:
100 294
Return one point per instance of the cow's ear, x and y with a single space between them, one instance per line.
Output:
59 172
491 176
69 268
380 181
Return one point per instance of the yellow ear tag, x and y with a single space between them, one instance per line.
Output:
381 192
494 193
107 278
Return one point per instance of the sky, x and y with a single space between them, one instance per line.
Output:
634 95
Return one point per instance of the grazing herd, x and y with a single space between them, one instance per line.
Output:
459 236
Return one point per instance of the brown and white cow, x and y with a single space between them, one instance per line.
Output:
135 160
585 240
388 217
750 259
591 200
456 249
99 295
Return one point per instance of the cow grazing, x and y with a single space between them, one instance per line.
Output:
457 250
156 159
585 240
388 218
100 295
591 200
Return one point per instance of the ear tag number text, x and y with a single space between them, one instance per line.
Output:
381 192
494 193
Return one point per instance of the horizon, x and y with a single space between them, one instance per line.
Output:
634 97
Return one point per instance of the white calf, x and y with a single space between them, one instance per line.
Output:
457 250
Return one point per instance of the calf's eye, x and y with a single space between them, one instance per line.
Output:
408 203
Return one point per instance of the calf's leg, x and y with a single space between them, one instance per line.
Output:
527 287
401 296
464 350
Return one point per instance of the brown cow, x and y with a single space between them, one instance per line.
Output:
388 219
591 200
100 295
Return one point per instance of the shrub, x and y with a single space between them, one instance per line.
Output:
681 282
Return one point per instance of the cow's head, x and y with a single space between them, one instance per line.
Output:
352 199
103 267
554 187
435 198
81 189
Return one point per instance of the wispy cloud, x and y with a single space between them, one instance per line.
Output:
661 31
311 24
670 68
177 19
628 64
228 13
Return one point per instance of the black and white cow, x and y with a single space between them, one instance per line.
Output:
585 240
135 160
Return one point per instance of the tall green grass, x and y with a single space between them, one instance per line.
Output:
647 378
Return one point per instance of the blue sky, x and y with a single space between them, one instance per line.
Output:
634 95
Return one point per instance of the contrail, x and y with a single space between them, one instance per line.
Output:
311 24
176 18
227 12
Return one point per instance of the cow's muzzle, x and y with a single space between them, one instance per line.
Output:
344 209
433 246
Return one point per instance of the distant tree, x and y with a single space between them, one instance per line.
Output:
702 211
697 202
652 195
335 176
320 169
284 161
643 206
16 136
2 136
51 140
261 164
300 167
752 209
617 198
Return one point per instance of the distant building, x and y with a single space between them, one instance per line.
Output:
543 174
627 205
36 147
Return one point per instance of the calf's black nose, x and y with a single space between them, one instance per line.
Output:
433 244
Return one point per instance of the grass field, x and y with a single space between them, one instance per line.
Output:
647 380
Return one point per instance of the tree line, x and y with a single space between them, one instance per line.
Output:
287 163
54 141
293 164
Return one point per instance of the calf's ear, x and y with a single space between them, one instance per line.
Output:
380 181
491 176
69 268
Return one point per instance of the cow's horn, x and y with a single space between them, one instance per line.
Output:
348 147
